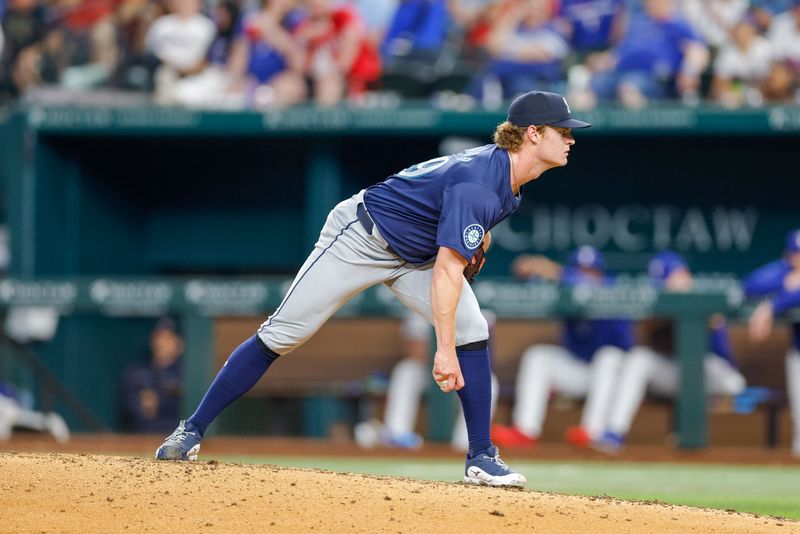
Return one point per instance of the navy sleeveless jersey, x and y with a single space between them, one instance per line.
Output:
451 201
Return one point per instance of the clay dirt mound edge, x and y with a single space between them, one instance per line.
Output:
48 492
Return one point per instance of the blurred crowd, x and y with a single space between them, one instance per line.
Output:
458 53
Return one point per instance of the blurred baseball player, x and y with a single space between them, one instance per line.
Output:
407 386
586 365
416 232
652 365
779 281
13 414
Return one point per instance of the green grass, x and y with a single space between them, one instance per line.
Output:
770 490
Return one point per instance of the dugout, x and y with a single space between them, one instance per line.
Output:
120 191
161 190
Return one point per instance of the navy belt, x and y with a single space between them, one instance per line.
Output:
364 218
368 224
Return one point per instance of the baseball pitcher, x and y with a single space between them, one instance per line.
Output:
416 232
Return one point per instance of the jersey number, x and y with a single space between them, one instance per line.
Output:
421 169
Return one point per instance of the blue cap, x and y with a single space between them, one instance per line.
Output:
664 264
167 323
587 257
539 107
793 241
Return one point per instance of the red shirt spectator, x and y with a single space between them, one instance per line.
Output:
338 47
84 14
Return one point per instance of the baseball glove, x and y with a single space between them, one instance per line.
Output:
474 266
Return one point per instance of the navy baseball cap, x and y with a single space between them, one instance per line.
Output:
587 257
793 241
539 107
664 264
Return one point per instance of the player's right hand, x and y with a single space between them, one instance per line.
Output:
791 281
447 371
760 323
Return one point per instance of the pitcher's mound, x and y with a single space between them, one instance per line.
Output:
82 493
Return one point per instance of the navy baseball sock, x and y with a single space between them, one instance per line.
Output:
476 395
245 366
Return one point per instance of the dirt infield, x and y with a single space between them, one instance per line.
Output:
145 445
46 492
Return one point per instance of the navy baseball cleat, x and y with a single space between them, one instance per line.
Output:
183 444
487 469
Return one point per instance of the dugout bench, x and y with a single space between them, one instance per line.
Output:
200 301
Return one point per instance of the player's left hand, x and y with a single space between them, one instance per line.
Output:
475 265
447 371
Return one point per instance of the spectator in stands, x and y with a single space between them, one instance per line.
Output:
526 50
268 61
764 10
213 86
779 283
15 414
784 36
586 365
136 66
593 25
90 42
255 63
408 384
473 20
634 7
377 15
227 18
417 32
467 13
741 66
660 57
651 365
180 41
152 390
30 46
714 19
340 59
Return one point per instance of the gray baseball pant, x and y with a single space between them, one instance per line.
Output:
347 259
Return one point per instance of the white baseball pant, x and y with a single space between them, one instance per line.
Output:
546 368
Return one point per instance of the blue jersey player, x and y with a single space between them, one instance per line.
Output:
779 282
415 233
585 365
651 365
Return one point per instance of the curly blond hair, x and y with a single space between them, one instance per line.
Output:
510 137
